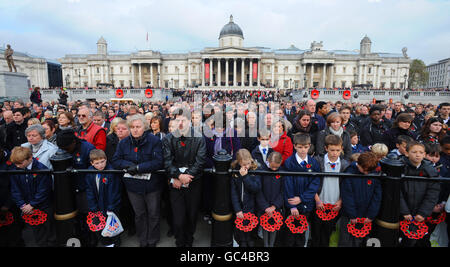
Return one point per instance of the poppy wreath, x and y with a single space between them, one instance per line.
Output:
347 94
315 94
299 229
327 214
96 221
6 218
422 229
437 220
36 218
119 93
360 233
264 222
253 222
148 93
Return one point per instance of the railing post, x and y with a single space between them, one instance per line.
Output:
387 222
64 197
222 226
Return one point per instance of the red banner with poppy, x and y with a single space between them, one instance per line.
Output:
255 70
206 71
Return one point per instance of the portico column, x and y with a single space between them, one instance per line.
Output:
159 72
210 72
226 71
365 74
273 75
140 75
219 72
259 72
234 72
304 76
189 75
311 81
379 77
331 76
203 71
89 75
242 72
324 73
251 73
360 75
374 80
151 74
132 76
101 73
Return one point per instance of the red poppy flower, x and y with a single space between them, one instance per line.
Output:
182 144
34 174
369 182
308 166
37 159
78 154
104 180
421 173
378 169
278 177
9 163
136 149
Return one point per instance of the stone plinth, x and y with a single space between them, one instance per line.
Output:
14 85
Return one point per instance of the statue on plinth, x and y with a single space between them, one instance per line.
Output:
9 59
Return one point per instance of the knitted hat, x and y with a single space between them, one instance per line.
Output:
65 138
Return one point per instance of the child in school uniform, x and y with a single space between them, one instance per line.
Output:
444 171
103 192
299 191
270 197
401 143
328 192
261 152
33 191
356 146
361 198
244 188
418 198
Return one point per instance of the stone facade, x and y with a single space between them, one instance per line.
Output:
439 74
233 66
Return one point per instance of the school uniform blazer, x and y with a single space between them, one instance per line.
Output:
418 197
243 192
271 192
147 153
81 160
107 196
304 187
361 197
359 149
257 155
32 189
444 171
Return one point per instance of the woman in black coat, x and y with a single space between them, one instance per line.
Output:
334 126
401 127
303 123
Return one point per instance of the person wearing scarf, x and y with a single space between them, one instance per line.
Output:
41 149
334 126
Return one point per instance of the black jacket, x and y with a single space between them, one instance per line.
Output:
15 134
271 192
371 133
391 135
111 144
419 197
188 152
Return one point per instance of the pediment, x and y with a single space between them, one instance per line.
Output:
229 50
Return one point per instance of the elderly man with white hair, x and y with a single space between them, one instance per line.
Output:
42 149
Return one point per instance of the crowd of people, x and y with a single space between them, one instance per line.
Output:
269 134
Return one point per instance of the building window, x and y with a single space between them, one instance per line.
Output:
121 71
344 69
384 72
98 70
112 69
166 70
276 69
297 69
84 71
370 70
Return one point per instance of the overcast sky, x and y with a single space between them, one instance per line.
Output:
54 28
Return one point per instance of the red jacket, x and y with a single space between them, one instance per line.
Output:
95 135
283 146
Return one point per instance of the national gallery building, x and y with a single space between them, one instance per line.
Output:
231 65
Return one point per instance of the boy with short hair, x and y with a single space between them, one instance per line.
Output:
261 152
401 143
103 191
33 191
328 192
299 191
418 198
356 146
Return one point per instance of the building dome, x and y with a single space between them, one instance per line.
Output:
231 29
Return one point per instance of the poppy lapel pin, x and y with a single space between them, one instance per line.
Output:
278 177
136 149
369 182
9 163
421 173
182 144
105 180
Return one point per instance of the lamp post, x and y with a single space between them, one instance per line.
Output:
172 82
290 83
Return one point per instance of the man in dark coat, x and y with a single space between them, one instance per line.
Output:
372 131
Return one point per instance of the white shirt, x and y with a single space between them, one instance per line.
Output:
261 150
97 181
300 160
330 186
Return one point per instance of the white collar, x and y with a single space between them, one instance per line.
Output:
327 160
300 160
29 167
